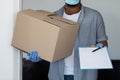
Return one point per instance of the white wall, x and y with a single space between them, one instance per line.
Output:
8 56
108 8
50 5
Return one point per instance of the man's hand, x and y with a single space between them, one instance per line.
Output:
33 56
100 45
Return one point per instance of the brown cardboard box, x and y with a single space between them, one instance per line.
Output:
52 36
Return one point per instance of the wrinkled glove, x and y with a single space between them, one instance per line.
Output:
33 56
100 45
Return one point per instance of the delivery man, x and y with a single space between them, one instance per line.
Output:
91 32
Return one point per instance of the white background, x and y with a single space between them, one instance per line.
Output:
110 10
9 57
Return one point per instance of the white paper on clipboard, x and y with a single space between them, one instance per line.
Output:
94 60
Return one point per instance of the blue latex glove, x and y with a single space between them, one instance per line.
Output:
100 45
33 56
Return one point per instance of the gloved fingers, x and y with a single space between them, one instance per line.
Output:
32 54
35 60
36 55
99 45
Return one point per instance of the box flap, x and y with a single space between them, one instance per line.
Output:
49 17
54 16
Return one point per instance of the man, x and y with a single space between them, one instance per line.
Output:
91 32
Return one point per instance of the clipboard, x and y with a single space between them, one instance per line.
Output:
99 59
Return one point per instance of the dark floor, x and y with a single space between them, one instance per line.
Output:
35 71
39 70
110 74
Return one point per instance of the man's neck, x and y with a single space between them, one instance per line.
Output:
72 9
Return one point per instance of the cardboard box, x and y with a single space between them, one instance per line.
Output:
52 36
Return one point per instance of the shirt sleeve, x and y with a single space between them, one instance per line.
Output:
101 33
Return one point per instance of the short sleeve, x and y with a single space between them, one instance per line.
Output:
101 33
